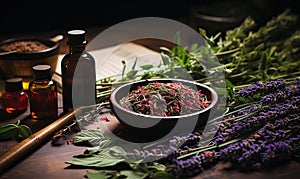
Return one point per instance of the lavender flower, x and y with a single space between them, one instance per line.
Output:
281 150
275 150
274 85
192 165
255 88
280 95
177 145
265 145
260 88
296 81
251 123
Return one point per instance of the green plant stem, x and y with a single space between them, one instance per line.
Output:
202 149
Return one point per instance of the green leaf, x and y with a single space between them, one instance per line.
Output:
103 145
157 166
165 49
96 160
165 59
9 131
116 151
96 175
134 64
229 84
164 175
14 131
132 174
8 127
93 137
202 32
24 131
131 74
146 67
263 67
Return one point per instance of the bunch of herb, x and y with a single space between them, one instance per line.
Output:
246 54
251 136
252 53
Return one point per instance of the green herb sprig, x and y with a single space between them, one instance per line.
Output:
15 131
246 54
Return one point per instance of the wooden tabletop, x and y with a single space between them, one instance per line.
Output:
48 161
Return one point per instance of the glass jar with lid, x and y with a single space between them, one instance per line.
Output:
14 100
43 94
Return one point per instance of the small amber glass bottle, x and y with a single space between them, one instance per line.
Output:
78 73
14 100
43 94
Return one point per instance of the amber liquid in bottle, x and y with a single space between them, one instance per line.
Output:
78 74
14 100
43 98
15 103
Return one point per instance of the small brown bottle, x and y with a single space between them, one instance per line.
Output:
78 73
14 100
43 94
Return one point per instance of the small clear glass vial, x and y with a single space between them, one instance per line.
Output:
14 100
42 92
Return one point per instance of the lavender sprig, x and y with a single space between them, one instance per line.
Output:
247 153
251 123
282 102
261 88
253 154
176 146
280 95
276 122
193 165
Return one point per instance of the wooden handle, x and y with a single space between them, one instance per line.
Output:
27 145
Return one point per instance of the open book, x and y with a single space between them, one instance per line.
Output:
109 60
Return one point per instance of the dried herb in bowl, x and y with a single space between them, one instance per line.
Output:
24 46
165 99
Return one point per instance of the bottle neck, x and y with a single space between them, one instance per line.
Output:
46 80
76 49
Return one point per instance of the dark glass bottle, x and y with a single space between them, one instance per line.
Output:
14 100
78 73
43 94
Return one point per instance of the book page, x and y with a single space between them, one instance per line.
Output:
109 60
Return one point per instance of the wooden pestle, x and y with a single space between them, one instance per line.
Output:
27 145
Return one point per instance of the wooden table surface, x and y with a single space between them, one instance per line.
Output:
48 161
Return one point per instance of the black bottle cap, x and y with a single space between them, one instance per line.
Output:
76 37
13 84
42 72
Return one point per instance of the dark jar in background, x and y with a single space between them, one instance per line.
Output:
14 100
78 73
42 92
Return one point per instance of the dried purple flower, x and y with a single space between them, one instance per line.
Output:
260 88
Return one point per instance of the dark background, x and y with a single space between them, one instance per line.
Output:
19 17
